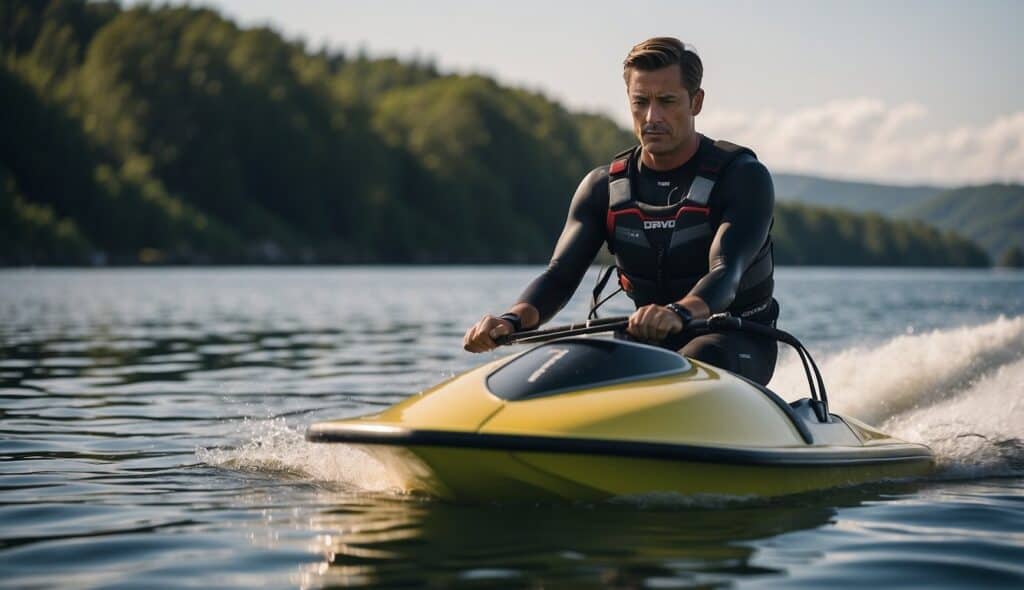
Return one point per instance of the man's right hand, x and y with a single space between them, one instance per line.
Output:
481 337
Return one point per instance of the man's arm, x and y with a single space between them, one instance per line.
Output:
746 219
749 198
581 238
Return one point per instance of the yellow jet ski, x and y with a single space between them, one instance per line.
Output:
579 417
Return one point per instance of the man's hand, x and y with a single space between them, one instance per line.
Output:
653 323
481 337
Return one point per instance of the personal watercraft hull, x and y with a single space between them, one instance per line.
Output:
476 473
517 429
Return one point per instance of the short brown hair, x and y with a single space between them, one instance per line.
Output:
658 52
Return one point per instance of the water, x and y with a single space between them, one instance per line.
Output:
151 436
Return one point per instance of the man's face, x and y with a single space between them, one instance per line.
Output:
663 110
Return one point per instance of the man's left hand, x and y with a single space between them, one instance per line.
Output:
653 323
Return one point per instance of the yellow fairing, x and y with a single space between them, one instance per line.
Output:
709 406
456 405
483 475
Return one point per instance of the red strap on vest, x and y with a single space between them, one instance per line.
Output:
618 166
625 284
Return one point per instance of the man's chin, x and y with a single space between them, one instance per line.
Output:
657 145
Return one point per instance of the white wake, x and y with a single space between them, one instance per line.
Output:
959 390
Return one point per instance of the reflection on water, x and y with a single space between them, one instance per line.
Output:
151 435
615 544
815 540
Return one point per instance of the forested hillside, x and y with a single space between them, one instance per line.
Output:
171 135
991 215
822 236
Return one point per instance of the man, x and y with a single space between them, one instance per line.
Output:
686 217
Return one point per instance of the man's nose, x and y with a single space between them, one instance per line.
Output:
654 113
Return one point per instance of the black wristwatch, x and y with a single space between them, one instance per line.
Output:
681 311
514 319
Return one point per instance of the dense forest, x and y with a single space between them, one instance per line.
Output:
992 215
171 135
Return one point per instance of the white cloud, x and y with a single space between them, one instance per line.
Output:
867 139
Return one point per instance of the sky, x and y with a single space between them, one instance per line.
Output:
901 91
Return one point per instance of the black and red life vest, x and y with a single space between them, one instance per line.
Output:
662 251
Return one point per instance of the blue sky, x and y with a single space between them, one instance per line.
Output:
899 91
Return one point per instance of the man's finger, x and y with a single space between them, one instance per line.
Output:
502 329
664 327
475 337
661 326
468 340
484 341
633 326
649 323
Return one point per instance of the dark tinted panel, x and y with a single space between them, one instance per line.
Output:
567 365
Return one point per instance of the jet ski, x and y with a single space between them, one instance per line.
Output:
580 417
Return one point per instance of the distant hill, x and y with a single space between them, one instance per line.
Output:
862 197
992 215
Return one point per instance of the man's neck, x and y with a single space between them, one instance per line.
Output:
671 160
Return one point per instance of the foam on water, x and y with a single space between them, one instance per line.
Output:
274 446
978 433
960 390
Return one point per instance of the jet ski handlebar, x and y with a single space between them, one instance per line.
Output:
722 322
717 323
578 329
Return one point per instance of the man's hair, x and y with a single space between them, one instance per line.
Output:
658 52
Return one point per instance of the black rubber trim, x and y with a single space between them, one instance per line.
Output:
395 436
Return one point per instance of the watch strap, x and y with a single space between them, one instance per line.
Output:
514 319
682 312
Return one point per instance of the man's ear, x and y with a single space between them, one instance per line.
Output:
697 102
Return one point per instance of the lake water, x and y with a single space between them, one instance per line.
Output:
151 435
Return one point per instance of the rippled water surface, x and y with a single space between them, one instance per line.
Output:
151 435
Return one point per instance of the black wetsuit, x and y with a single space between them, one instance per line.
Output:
741 205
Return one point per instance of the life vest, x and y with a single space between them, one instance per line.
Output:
662 251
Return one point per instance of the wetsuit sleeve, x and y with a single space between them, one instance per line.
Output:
748 199
581 238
